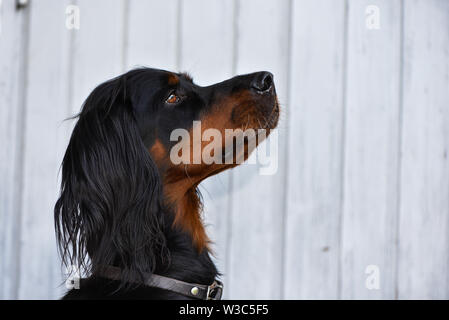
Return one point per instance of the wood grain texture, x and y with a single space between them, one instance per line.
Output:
45 138
424 215
315 120
97 47
152 38
207 38
369 221
257 200
13 37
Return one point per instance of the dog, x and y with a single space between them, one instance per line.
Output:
127 215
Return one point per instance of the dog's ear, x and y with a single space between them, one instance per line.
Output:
109 209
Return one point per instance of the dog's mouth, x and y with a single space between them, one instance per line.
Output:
256 111
251 136
265 116
271 121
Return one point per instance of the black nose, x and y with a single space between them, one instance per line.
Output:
262 82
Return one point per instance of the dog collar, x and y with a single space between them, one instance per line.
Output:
191 290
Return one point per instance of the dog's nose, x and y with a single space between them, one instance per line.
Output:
262 82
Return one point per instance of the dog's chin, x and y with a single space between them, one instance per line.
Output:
272 119
268 116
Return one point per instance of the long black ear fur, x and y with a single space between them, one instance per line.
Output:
109 209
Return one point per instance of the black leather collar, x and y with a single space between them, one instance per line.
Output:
191 290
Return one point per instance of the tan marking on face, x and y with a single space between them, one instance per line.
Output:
173 79
158 152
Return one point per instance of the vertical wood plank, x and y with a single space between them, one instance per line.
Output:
369 221
45 138
13 40
315 140
152 34
255 261
207 40
98 48
207 53
424 215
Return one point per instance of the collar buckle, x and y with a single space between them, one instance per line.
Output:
214 291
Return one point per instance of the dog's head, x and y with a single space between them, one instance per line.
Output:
192 129
142 144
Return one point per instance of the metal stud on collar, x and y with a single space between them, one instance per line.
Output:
194 291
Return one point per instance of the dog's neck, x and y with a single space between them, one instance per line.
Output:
182 197
187 263
186 237
184 261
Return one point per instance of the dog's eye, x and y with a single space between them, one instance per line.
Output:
172 98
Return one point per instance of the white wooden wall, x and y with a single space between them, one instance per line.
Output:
363 173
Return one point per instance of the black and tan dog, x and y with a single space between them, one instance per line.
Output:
127 215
